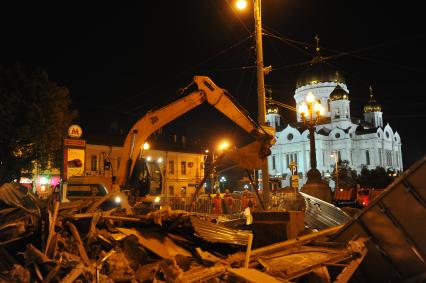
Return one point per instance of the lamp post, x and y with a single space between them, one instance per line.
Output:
336 159
261 104
311 111
221 147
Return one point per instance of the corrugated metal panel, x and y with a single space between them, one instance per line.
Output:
396 223
320 214
213 232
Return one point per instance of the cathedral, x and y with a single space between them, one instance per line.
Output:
363 142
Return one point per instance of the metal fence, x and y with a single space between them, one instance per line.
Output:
202 205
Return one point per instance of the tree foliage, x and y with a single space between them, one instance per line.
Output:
376 178
34 116
347 176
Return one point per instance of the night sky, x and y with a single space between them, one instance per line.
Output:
119 61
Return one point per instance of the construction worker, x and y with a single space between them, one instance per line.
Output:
245 199
248 213
229 202
217 204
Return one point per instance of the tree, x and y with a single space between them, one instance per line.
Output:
34 116
376 178
347 176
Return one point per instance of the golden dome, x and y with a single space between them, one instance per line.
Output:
372 105
339 94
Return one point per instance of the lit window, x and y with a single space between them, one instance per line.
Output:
183 167
94 163
171 167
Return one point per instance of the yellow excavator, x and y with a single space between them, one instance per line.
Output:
206 91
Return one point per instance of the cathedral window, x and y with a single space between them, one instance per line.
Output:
387 134
337 135
367 157
337 114
273 161
388 158
289 137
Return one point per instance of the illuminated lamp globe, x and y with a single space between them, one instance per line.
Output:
241 4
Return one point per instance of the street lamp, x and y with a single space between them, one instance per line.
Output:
224 145
336 159
241 4
260 71
311 111
145 146
222 181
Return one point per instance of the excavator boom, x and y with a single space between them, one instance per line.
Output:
155 119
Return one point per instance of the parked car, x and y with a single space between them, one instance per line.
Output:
89 188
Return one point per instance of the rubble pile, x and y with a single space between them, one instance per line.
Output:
92 241
80 241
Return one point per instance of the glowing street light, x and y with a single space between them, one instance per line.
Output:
241 4
311 111
222 146
145 146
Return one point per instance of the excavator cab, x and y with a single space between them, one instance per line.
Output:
146 179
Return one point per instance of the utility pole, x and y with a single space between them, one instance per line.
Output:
261 105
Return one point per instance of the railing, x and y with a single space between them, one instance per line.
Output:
203 205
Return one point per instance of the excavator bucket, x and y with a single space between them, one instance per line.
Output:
246 157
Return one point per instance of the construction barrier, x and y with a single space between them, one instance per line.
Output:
201 205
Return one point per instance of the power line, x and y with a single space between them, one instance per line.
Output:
349 53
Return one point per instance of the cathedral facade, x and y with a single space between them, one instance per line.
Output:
366 142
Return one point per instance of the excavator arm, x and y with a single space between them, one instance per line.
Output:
155 119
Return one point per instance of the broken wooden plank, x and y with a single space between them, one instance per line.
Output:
206 255
302 240
52 226
254 275
80 246
51 275
73 275
202 274
158 243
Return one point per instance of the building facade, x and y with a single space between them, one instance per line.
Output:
180 171
367 142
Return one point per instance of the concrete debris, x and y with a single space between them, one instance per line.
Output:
82 241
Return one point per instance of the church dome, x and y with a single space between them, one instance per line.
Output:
372 105
339 94
272 109
319 72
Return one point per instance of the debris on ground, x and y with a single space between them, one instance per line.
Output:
85 241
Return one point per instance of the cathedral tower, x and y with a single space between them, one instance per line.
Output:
373 112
